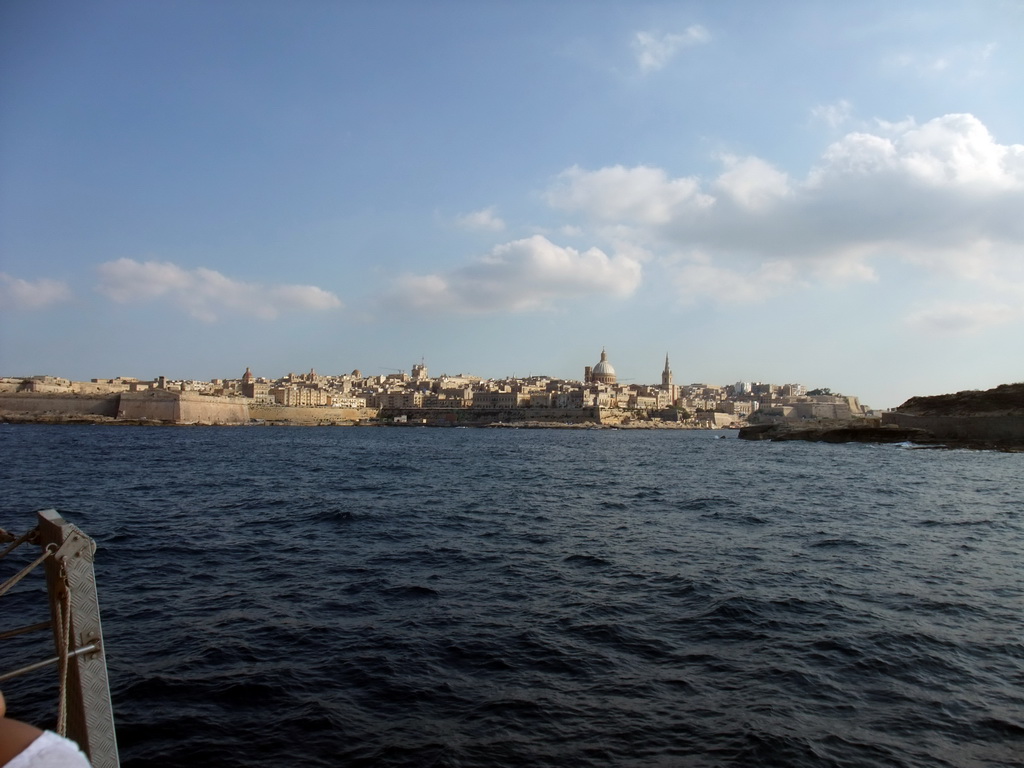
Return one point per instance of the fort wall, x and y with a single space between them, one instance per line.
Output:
182 408
281 414
71 405
148 406
201 409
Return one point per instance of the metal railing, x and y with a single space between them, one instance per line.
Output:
84 712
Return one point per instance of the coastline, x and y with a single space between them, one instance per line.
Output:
987 420
57 419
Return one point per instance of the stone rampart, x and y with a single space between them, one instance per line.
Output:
182 408
70 405
288 414
148 406
202 409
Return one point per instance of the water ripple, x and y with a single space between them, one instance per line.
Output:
389 597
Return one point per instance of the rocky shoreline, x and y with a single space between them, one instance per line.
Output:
985 420
833 433
80 418
89 418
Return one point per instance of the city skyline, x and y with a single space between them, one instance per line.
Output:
823 194
418 377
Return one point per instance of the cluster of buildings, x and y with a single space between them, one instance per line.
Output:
698 404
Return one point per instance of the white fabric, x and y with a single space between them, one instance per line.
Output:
50 751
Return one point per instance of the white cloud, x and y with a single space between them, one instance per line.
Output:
19 294
127 280
961 319
943 195
889 128
642 194
962 62
654 50
952 152
833 115
752 183
204 293
303 297
699 278
483 220
523 275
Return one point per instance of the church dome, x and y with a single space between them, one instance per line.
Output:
603 372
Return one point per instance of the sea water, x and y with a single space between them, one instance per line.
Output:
498 597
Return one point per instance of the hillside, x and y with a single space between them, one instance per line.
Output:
1006 399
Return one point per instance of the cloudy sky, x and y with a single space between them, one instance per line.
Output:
813 192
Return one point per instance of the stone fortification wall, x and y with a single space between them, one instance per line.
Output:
273 414
835 411
619 416
70 405
182 408
981 428
202 409
148 406
715 419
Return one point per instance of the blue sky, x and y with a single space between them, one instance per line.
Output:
823 193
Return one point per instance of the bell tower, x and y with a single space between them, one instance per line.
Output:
666 380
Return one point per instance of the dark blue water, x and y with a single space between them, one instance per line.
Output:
427 597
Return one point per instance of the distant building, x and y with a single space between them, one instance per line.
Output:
294 395
602 373
257 390
667 383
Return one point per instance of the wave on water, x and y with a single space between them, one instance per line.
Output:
366 597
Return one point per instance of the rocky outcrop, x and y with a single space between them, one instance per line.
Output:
992 419
1004 400
834 433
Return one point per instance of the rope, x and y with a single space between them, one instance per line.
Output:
6 586
17 541
25 630
64 616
